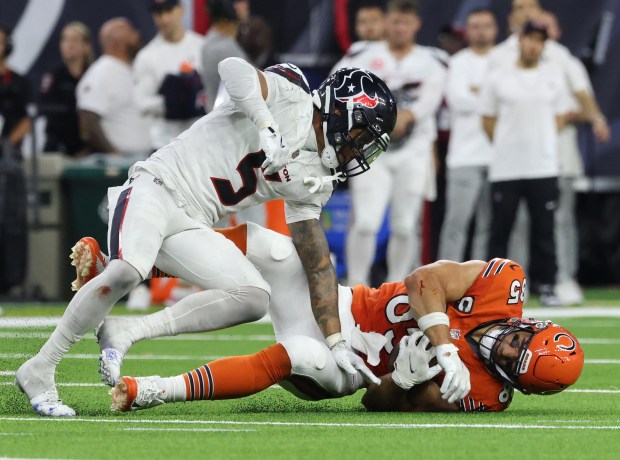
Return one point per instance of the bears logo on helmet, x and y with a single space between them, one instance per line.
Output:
549 358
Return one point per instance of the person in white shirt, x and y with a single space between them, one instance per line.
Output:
274 139
521 105
172 56
571 167
508 51
469 149
402 178
109 116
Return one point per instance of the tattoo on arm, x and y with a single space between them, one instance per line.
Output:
311 244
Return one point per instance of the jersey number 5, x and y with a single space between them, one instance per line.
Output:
247 170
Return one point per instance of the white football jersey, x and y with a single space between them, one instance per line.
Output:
214 168
417 80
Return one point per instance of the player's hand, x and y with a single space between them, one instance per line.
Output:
412 363
456 383
351 363
276 150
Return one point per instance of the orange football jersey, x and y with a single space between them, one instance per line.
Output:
497 293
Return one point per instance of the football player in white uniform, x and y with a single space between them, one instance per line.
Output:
405 177
274 139
378 324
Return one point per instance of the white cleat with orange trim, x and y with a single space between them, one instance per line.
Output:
136 393
88 261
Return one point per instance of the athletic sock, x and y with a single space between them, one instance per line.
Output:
229 378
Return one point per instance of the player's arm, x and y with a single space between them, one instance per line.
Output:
309 240
429 289
389 397
311 244
432 286
249 89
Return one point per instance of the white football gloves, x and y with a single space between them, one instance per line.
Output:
456 383
276 150
412 363
348 361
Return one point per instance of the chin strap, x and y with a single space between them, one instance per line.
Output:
316 183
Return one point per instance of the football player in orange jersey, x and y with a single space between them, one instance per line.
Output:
482 301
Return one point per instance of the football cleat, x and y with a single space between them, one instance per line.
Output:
113 343
41 390
110 361
136 393
49 405
88 261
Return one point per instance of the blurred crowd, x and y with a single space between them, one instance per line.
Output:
489 123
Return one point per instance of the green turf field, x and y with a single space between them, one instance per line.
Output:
581 423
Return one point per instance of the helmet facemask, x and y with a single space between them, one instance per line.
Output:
342 115
487 349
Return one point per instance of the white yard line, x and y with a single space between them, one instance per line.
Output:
584 390
572 312
184 430
144 357
316 424
576 312
182 338
48 321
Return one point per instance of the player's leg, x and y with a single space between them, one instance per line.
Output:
301 364
235 293
411 182
480 242
370 193
505 197
225 378
132 216
463 192
542 200
566 244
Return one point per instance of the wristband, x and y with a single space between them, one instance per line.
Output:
433 319
334 340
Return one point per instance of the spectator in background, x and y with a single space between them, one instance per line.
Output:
109 116
58 101
256 39
168 88
405 175
469 150
14 96
370 22
508 51
571 167
452 39
220 43
521 104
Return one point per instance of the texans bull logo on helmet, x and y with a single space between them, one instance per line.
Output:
352 88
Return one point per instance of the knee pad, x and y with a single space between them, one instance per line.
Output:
305 353
255 300
120 276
